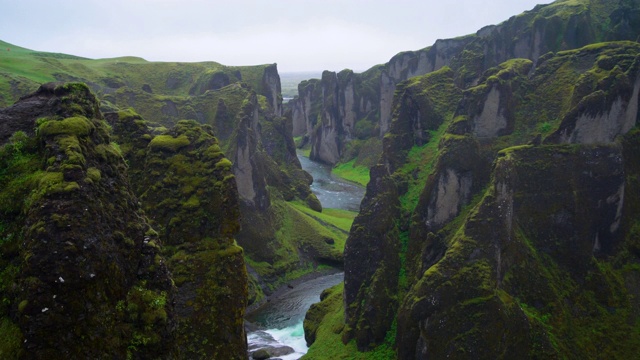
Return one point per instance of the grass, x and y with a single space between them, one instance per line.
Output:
351 172
328 344
420 160
168 78
303 228
341 219
313 226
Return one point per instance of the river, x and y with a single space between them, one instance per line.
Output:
281 319
332 192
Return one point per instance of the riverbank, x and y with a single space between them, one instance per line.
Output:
276 329
284 289
275 324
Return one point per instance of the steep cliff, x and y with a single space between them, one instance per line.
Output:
511 211
367 98
94 266
186 187
82 274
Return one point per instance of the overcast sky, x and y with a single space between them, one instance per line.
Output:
298 35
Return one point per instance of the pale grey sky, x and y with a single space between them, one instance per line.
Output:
298 35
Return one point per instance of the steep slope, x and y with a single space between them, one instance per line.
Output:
82 276
185 184
500 221
340 111
85 273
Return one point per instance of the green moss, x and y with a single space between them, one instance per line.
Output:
79 126
10 339
341 219
419 165
349 171
23 305
213 151
18 175
108 152
71 147
325 320
169 143
46 182
94 174
224 164
192 203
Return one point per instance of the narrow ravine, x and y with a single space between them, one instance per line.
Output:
281 319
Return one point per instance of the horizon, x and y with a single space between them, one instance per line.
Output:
308 36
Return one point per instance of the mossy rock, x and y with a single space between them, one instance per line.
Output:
169 143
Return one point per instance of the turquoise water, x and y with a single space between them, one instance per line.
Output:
281 319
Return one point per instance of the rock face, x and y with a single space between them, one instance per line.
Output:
326 112
501 220
547 28
186 186
490 270
85 273
83 276
272 89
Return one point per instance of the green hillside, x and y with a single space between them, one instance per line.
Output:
23 70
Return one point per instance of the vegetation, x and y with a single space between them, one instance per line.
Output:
30 68
477 202
327 342
349 171
495 204
63 174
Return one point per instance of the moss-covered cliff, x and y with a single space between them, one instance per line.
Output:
339 111
186 186
82 274
510 207
96 266
271 185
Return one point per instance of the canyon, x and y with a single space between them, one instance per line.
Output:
146 205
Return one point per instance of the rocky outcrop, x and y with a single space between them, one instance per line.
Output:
546 28
272 89
490 270
503 228
604 106
303 115
373 251
82 271
251 182
490 106
185 184
409 64
85 273
326 112
329 128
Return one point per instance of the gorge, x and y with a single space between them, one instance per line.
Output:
281 320
145 205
